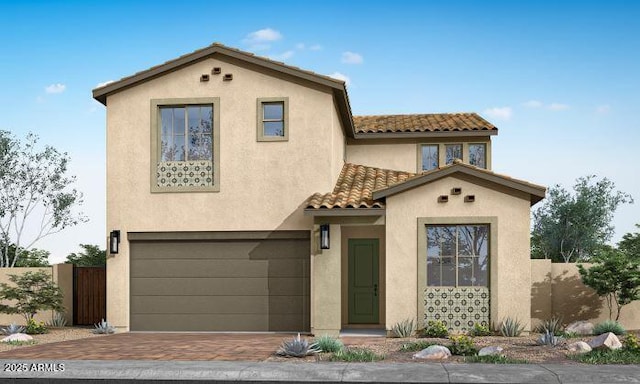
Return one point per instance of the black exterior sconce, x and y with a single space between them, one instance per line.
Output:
114 242
325 240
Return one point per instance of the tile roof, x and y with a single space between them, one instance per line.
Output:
433 122
355 187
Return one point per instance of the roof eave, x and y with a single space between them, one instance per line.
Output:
536 192
344 212
430 134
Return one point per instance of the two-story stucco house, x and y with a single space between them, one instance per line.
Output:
248 198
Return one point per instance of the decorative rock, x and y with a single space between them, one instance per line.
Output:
490 351
433 352
579 347
582 328
606 341
17 337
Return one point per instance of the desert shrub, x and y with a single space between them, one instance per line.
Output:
35 328
552 326
298 347
462 345
511 327
608 326
435 328
480 330
404 328
58 320
103 327
356 355
328 343
630 343
13 328
549 339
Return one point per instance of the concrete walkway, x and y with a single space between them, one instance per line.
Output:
227 372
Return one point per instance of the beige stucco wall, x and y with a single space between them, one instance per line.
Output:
510 273
557 290
60 275
403 154
262 184
326 297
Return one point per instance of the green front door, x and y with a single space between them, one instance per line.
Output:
363 281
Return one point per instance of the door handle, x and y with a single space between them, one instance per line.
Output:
375 290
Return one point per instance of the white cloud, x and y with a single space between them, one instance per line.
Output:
300 46
502 113
340 76
532 104
282 56
603 109
558 107
104 83
315 47
55 88
351 58
260 39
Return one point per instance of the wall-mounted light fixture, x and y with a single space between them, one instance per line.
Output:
324 236
114 241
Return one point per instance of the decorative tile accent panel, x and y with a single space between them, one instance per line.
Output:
185 174
459 308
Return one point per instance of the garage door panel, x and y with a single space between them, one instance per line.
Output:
199 287
200 322
221 285
223 305
199 268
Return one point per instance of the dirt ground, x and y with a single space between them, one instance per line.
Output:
54 335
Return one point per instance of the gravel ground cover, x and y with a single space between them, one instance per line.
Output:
54 335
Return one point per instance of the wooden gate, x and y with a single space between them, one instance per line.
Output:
89 295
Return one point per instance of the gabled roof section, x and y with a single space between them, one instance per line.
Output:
338 87
434 124
536 192
354 188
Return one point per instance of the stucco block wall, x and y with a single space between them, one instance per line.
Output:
510 272
61 274
557 290
262 184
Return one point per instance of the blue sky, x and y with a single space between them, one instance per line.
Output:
560 80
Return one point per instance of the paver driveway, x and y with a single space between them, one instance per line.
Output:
157 346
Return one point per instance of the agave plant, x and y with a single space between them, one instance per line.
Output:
549 339
103 327
404 328
552 325
58 320
297 347
13 329
511 327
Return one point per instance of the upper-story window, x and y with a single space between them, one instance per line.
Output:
432 156
478 155
273 119
452 152
185 145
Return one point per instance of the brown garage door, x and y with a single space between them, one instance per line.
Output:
220 281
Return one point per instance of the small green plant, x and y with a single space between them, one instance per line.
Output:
609 326
493 359
549 339
404 328
356 355
630 343
35 328
435 328
30 293
103 327
298 347
552 326
511 327
58 320
618 356
12 329
570 335
327 343
20 342
415 346
462 345
480 330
